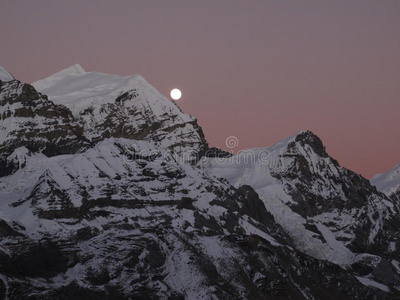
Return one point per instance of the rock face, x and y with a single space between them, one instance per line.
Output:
389 183
29 119
330 212
100 199
128 107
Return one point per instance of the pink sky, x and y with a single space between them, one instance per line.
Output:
258 70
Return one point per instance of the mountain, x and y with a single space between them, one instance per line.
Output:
389 183
103 195
128 107
330 212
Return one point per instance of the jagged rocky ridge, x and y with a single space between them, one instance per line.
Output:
80 109
29 119
330 212
128 107
119 213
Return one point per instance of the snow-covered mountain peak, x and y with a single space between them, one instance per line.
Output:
78 90
307 137
393 173
105 106
306 189
4 75
75 69
72 71
389 182
305 140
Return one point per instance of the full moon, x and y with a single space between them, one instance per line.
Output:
176 94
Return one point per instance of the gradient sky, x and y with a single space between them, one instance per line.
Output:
258 70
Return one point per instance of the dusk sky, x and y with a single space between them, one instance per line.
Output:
257 70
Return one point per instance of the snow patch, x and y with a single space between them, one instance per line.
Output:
373 283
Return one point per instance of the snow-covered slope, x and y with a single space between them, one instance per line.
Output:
389 182
330 212
126 219
115 106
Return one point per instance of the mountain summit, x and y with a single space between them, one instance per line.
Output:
389 182
129 107
329 211
72 70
